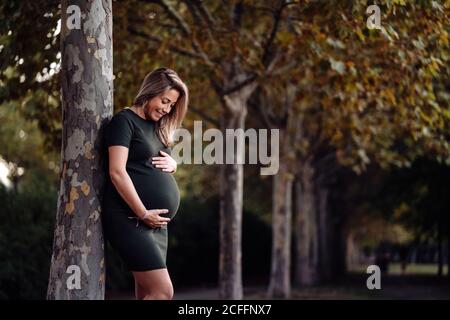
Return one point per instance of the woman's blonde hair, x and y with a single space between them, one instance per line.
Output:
156 83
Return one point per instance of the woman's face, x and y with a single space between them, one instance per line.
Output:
161 105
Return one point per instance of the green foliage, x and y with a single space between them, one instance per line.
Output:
23 142
26 229
421 201
27 214
369 96
29 58
397 205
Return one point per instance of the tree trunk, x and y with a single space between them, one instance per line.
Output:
231 199
448 255
351 252
440 252
339 253
307 244
280 279
77 266
325 263
230 270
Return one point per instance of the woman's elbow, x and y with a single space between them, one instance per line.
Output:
115 174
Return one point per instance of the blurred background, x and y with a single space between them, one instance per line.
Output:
364 119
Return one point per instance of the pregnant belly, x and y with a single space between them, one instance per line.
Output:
157 190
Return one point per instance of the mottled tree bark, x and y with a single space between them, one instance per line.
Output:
87 83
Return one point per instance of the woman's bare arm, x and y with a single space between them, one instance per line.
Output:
118 156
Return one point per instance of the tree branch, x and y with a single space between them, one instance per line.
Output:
184 29
205 23
193 11
204 116
204 11
178 19
187 32
171 47
267 53
241 84
268 46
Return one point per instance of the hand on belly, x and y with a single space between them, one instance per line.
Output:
165 162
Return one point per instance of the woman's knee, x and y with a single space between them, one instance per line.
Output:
169 292
163 294
156 283
160 293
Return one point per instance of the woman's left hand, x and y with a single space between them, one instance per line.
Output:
166 163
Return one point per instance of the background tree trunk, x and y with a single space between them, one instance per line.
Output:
440 251
280 279
307 240
230 269
231 199
86 80
325 231
290 127
448 255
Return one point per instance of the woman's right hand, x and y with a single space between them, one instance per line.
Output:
153 219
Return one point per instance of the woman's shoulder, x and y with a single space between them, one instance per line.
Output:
121 119
119 130
123 115
135 119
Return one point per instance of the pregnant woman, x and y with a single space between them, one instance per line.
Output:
141 195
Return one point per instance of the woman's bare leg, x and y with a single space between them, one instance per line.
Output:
138 290
155 284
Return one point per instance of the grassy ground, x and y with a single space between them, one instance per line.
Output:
419 282
411 269
353 286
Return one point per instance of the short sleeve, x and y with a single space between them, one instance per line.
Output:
167 150
118 132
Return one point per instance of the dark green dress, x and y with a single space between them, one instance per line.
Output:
140 246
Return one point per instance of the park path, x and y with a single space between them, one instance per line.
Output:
351 287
